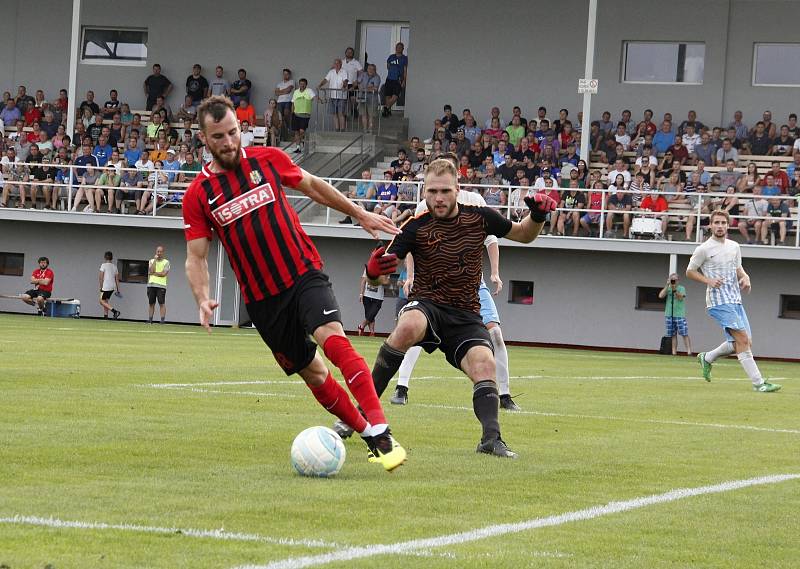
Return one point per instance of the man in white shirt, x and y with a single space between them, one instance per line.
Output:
690 138
109 282
283 93
353 68
620 168
336 82
247 136
720 260
622 137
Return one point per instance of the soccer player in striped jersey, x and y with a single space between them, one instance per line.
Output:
239 196
489 314
717 263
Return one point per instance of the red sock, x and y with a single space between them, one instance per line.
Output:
357 376
336 401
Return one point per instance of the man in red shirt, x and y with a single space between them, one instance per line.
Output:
42 281
781 178
656 203
240 196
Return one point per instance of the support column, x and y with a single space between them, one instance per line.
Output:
588 72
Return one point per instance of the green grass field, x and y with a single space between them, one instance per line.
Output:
101 463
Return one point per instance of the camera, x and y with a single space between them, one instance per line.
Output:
673 281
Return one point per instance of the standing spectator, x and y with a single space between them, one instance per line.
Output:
109 283
196 85
353 68
156 85
369 85
283 91
219 85
273 121
371 297
336 82
240 89
397 73
42 281
675 314
157 271
302 99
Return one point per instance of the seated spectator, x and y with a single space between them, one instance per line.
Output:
705 177
10 114
778 212
705 150
594 204
158 182
620 168
125 114
386 195
568 214
364 193
700 204
655 204
781 177
110 179
188 110
88 189
32 114
783 143
42 281
496 198
570 157
44 143
130 182
622 137
678 150
727 152
406 199
41 176
749 180
273 121
190 167
794 166
760 140
691 120
769 187
605 124
515 131
155 128
690 138
729 203
754 208
160 151
729 176
619 201
102 151
171 165
494 129
246 137
471 129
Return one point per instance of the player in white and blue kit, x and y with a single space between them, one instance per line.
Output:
720 260
491 319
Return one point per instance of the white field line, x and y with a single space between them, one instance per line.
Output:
351 553
188 387
219 534
597 377
216 383
628 419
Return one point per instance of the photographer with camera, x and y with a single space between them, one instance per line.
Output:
675 313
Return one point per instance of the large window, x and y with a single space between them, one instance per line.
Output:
663 62
114 46
790 306
11 264
776 64
520 292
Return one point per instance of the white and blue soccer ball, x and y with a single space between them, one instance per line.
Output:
318 451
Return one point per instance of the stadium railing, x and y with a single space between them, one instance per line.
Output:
166 201
354 99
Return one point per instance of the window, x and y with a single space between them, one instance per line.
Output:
776 64
520 292
663 62
114 46
647 298
132 271
11 264
790 306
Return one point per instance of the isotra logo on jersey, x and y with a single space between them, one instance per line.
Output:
244 204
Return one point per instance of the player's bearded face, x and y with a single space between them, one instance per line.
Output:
441 193
223 140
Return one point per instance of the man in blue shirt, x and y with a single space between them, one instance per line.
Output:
171 165
664 138
102 151
397 67
769 188
10 113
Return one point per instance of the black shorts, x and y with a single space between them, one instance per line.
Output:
106 294
33 293
300 123
286 321
391 88
156 292
371 308
452 330
401 302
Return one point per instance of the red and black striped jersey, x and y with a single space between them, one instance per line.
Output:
248 209
448 253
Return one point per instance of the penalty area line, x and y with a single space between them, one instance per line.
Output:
219 534
610 508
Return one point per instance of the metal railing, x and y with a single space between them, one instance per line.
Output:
686 215
347 110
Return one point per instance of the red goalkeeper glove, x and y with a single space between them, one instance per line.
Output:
540 205
380 264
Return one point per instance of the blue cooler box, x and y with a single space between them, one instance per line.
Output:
64 308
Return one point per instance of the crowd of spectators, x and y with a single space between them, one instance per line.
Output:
123 156
656 170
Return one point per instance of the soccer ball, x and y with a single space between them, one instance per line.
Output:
318 451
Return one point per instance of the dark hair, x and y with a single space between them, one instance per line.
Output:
43 259
108 255
792 116
286 69
448 108
303 80
240 70
216 106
